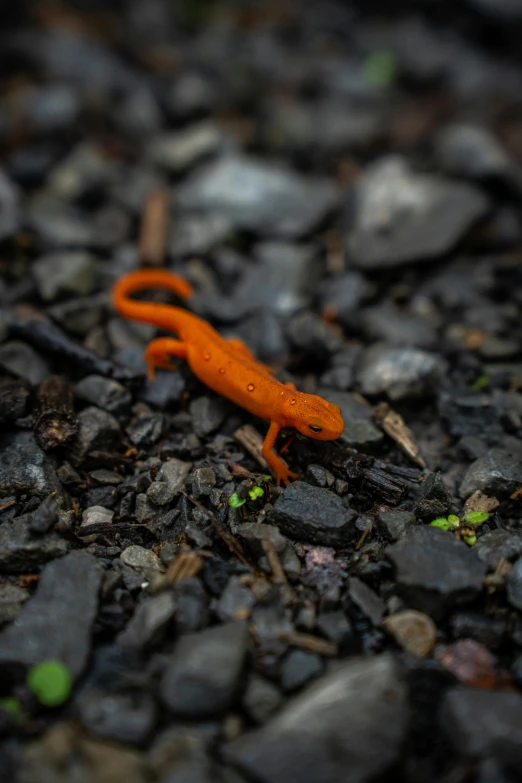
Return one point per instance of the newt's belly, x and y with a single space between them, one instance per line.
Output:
235 379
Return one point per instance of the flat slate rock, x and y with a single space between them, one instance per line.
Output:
25 468
400 372
498 544
313 514
359 430
56 623
402 216
203 675
258 196
484 723
497 473
331 732
434 570
21 551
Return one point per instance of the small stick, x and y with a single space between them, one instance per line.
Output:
394 425
305 641
183 566
154 225
274 561
252 441
54 421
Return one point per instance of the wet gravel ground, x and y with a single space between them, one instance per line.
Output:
343 189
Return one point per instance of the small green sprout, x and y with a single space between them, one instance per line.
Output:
480 383
256 492
51 682
453 520
235 501
380 68
441 522
12 706
476 517
470 540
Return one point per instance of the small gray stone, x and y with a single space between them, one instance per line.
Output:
435 500
259 196
343 718
176 151
9 207
97 515
366 600
25 468
203 674
56 624
97 430
122 717
170 479
12 599
313 514
65 274
142 560
298 668
207 414
45 516
497 473
23 361
498 544
402 216
104 393
394 524
235 602
482 723
434 570
149 622
257 532
203 481
359 430
400 372
21 551
261 699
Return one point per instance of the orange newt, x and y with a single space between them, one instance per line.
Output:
226 366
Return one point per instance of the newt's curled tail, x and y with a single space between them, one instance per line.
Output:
150 312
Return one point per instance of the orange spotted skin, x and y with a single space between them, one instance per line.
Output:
226 366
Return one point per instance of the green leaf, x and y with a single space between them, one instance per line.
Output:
476 517
51 682
480 383
441 522
256 492
454 520
235 501
12 706
380 68
470 540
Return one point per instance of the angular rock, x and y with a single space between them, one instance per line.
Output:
25 468
343 718
142 560
207 414
22 551
97 430
366 600
65 274
498 544
314 514
259 196
203 675
414 631
298 668
359 430
514 585
435 500
395 523
179 150
104 393
122 717
483 724
9 207
497 473
23 361
400 372
261 699
149 622
434 570
402 216
169 480
56 624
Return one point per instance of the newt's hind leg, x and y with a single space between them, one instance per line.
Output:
244 351
159 353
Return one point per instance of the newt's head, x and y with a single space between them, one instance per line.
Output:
315 417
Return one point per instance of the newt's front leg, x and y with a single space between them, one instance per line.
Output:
278 465
159 352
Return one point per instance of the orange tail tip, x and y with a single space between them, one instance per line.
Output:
150 278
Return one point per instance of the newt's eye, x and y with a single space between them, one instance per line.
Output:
315 428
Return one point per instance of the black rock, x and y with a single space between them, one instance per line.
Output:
14 396
236 600
23 361
400 372
498 544
514 585
45 516
344 717
298 668
359 430
202 677
484 724
394 524
313 514
65 274
207 414
258 196
435 500
104 393
56 624
21 550
25 468
402 216
342 295
9 207
313 336
192 612
497 473
97 431
170 479
261 699
488 631
434 570
366 600
149 622
122 717
176 151
395 327
146 429
336 627
165 391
